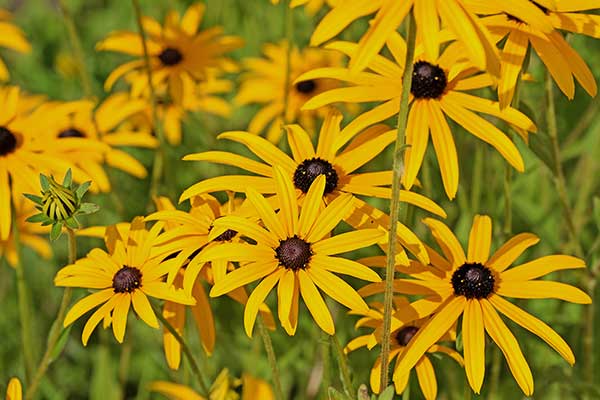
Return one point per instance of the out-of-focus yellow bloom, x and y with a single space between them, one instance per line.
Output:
10 37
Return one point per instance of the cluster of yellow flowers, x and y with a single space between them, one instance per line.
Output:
279 223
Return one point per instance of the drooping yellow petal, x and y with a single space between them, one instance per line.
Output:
315 304
447 241
257 297
474 344
337 289
344 266
337 210
285 293
245 274
417 137
86 304
426 377
119 316
266 213
445 149
142 307
512 57
348 241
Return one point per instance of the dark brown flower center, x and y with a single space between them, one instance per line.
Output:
428 81
71 133
127 279
293 253
170 56
473 280
310 169
306 87
404 335
8 141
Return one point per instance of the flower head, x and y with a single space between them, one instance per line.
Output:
12 38
14 391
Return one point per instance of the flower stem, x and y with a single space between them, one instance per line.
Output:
186 351
395 204
271 356
344 369
159 154
56 329
84 75
24 306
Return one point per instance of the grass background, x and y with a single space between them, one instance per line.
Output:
106 370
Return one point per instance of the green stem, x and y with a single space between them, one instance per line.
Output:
159 156
271 357
56 329
477 179
326 360
84 75
23 297
395 203
186 351
343 366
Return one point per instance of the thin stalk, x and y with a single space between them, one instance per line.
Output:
326 359
56 329
186 350
395 204
477 179
159 155
343 366
272 360
84 75
289 38
24 306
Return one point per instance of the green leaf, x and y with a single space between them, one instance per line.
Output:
44 182
37 218
459 342
68 179
596 209
82 189
56 231
541 145
88 208
34 198
72 223
60 343
387 394
333 394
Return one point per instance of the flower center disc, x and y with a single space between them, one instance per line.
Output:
8 141
293 253
127 279
170 56
473 280
306 87
310 169
428 81
404 335
71 133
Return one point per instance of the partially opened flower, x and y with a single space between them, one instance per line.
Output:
334 158
438 90
430 15
11 37
179 53
264 83
399 340
294 251
475 286
561 60
14 391
125 276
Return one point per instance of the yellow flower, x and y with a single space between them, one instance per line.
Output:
474 286
334 157
437 90
399 339
14 391
179 54
312 6
10 37
264 83
458 15
294 250
131 271
556 53
29 235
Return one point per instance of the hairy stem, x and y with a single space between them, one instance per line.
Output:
395 204
266 338
343 366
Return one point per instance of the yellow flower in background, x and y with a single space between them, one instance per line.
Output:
14 391
399 340
311 6
430 15
296 251
475 286
225 387
438 90
30 235
561 60
131 271
264 83
333 157
12 38
180 54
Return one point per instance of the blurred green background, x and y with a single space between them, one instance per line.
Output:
106 370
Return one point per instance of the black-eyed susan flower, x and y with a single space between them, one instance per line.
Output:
125 276
561 60
264 83
225 387
475 286
179 53
333 157
430 15
11 37
294 251
438 90
14 391
399 340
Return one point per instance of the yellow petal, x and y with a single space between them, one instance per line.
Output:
474 344
315 304
257 297
542 290
480 239
511 250
542 266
